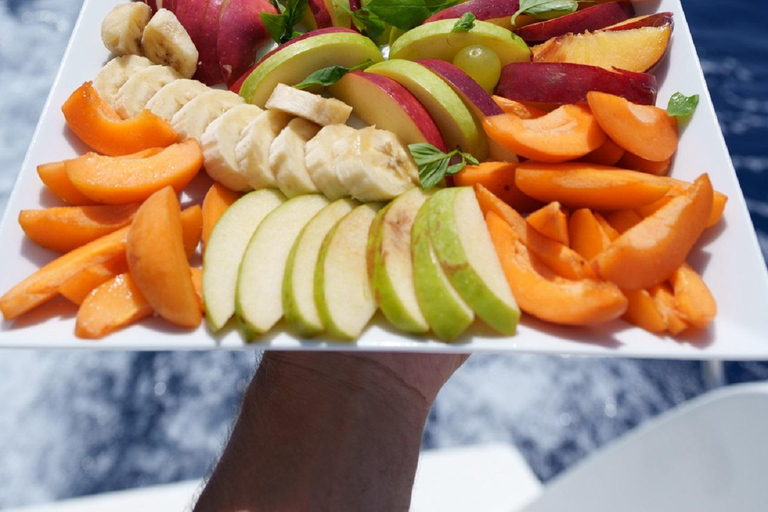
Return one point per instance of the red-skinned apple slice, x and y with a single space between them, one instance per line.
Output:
241 33
319 14
637 49
658 19
192 15
498 12
557 82
381 101
479 102
593 18
329 30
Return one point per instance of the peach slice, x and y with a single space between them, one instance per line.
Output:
638 49
564 261
665 302
608 154
679 187
568 132
622 220
586 234
693 300
99 126
545 295
66 228
77 287
647 131
157 260
498 178
608 229
54 175
632 161
652 250
216 201
114 180
517 108
551 221
643 312
581 185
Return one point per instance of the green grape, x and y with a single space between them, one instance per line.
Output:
481 63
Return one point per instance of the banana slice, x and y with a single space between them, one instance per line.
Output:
253 149
333 149
386 167
122 28
312 107
166 41
286 158
194 117
115 73
172 97
136 92
219 141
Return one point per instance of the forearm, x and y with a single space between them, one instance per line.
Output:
322 432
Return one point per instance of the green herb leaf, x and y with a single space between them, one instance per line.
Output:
465 23
546 9
365 21
406 14
330 75
281 26
681 105
434 165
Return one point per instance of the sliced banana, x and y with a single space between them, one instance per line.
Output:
136 92
331 150
166 41
286 158
312 107
194 117
122 28
115 73
386 168
173 96
219 141
253 149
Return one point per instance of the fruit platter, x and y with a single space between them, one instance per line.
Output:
482 176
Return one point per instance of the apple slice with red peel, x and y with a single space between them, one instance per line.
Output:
381 101
318 15
192 15
235 87
592 18
292 63
479 102
558 82
658 19
498 12
637 49
241 33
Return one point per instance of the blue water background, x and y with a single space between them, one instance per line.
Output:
75 423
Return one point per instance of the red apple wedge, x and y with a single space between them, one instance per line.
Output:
381 101
637 49
592 18
498 12
200 19
319 14
241 33
556 82
235 87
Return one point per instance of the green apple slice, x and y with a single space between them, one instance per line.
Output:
435 40
260 281
225 248
342 288
297 60
446 313
455 121
299 280
393 281
466 252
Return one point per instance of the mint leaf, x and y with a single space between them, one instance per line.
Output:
545 9
434 165
465 23
406 14
281 26
681 105
330 75
365 21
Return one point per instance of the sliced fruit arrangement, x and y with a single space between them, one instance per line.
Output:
322 224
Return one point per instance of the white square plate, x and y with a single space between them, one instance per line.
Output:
728 255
